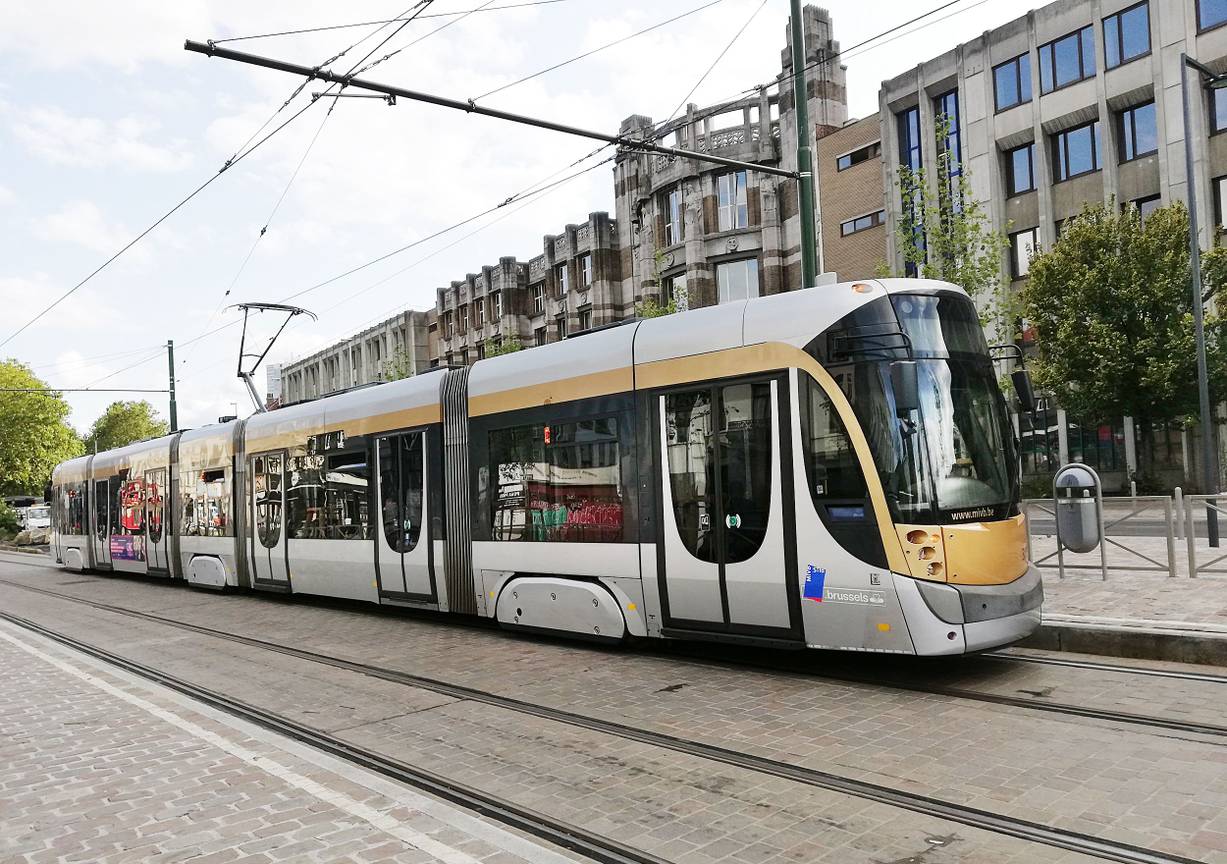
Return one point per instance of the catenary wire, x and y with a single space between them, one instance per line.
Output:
859 48
719 57
530 196
230 163
263 230
386 21
599 49
391 54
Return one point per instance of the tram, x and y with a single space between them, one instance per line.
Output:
833 468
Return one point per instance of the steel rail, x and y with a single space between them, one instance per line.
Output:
573 837
1206 677
1035 832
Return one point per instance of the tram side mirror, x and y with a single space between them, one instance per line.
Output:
1023 389
905 382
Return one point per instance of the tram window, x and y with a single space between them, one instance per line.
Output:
155 483
101 502
266 477
745 467
116 487
73 508
132 507
688 421
346 499
206 503
401 486
831 465
304 497
558 482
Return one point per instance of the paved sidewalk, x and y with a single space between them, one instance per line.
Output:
101 767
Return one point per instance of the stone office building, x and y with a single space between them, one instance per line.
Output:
701 234
575 284
397 347
1079 101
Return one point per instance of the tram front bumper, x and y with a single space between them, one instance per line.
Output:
984 616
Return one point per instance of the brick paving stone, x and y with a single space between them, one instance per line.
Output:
1006 760
60 731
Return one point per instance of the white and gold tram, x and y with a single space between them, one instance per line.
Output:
834 468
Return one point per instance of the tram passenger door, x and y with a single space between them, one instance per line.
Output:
155 515
725 561
403 544
269 564
102 523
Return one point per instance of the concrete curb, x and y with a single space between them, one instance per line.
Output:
1139 643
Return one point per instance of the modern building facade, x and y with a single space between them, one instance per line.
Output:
272 385
395 348
701 234
852 199
1077 102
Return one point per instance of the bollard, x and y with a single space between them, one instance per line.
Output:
1178 496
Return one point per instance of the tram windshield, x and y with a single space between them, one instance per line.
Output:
952 459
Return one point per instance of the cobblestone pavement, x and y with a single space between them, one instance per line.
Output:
100 767
1163 790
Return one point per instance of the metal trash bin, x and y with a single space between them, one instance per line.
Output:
1076 492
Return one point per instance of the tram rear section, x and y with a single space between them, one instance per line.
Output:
831 468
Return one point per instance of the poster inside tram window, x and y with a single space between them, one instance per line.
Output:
125 547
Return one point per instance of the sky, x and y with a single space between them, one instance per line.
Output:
106 123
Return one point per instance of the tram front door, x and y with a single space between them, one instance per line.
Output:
722 549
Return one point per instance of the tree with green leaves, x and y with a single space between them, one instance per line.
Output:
124 423
34 432
398 366
1112 309
653 308
503 345
945 233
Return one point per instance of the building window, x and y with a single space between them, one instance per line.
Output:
1022 246
1012 82
561 321
447 325
1126 35
946 112
479 312
538 298
464 320
909 138
910 158
856 157
497 299
1211 13
674 232
862 223
1146 205
732 209
563 279
585 267
539 336
673 288
737 280
1075 152
1220 202
1020 163
1139 136
557 482
1218 110
1067 60
481 350
585 320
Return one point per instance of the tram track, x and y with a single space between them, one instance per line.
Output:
1060 708
559 832
1096 666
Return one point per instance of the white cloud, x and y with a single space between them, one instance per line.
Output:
62 139
7 196
82 223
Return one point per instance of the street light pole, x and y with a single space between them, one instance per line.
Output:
1209 454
